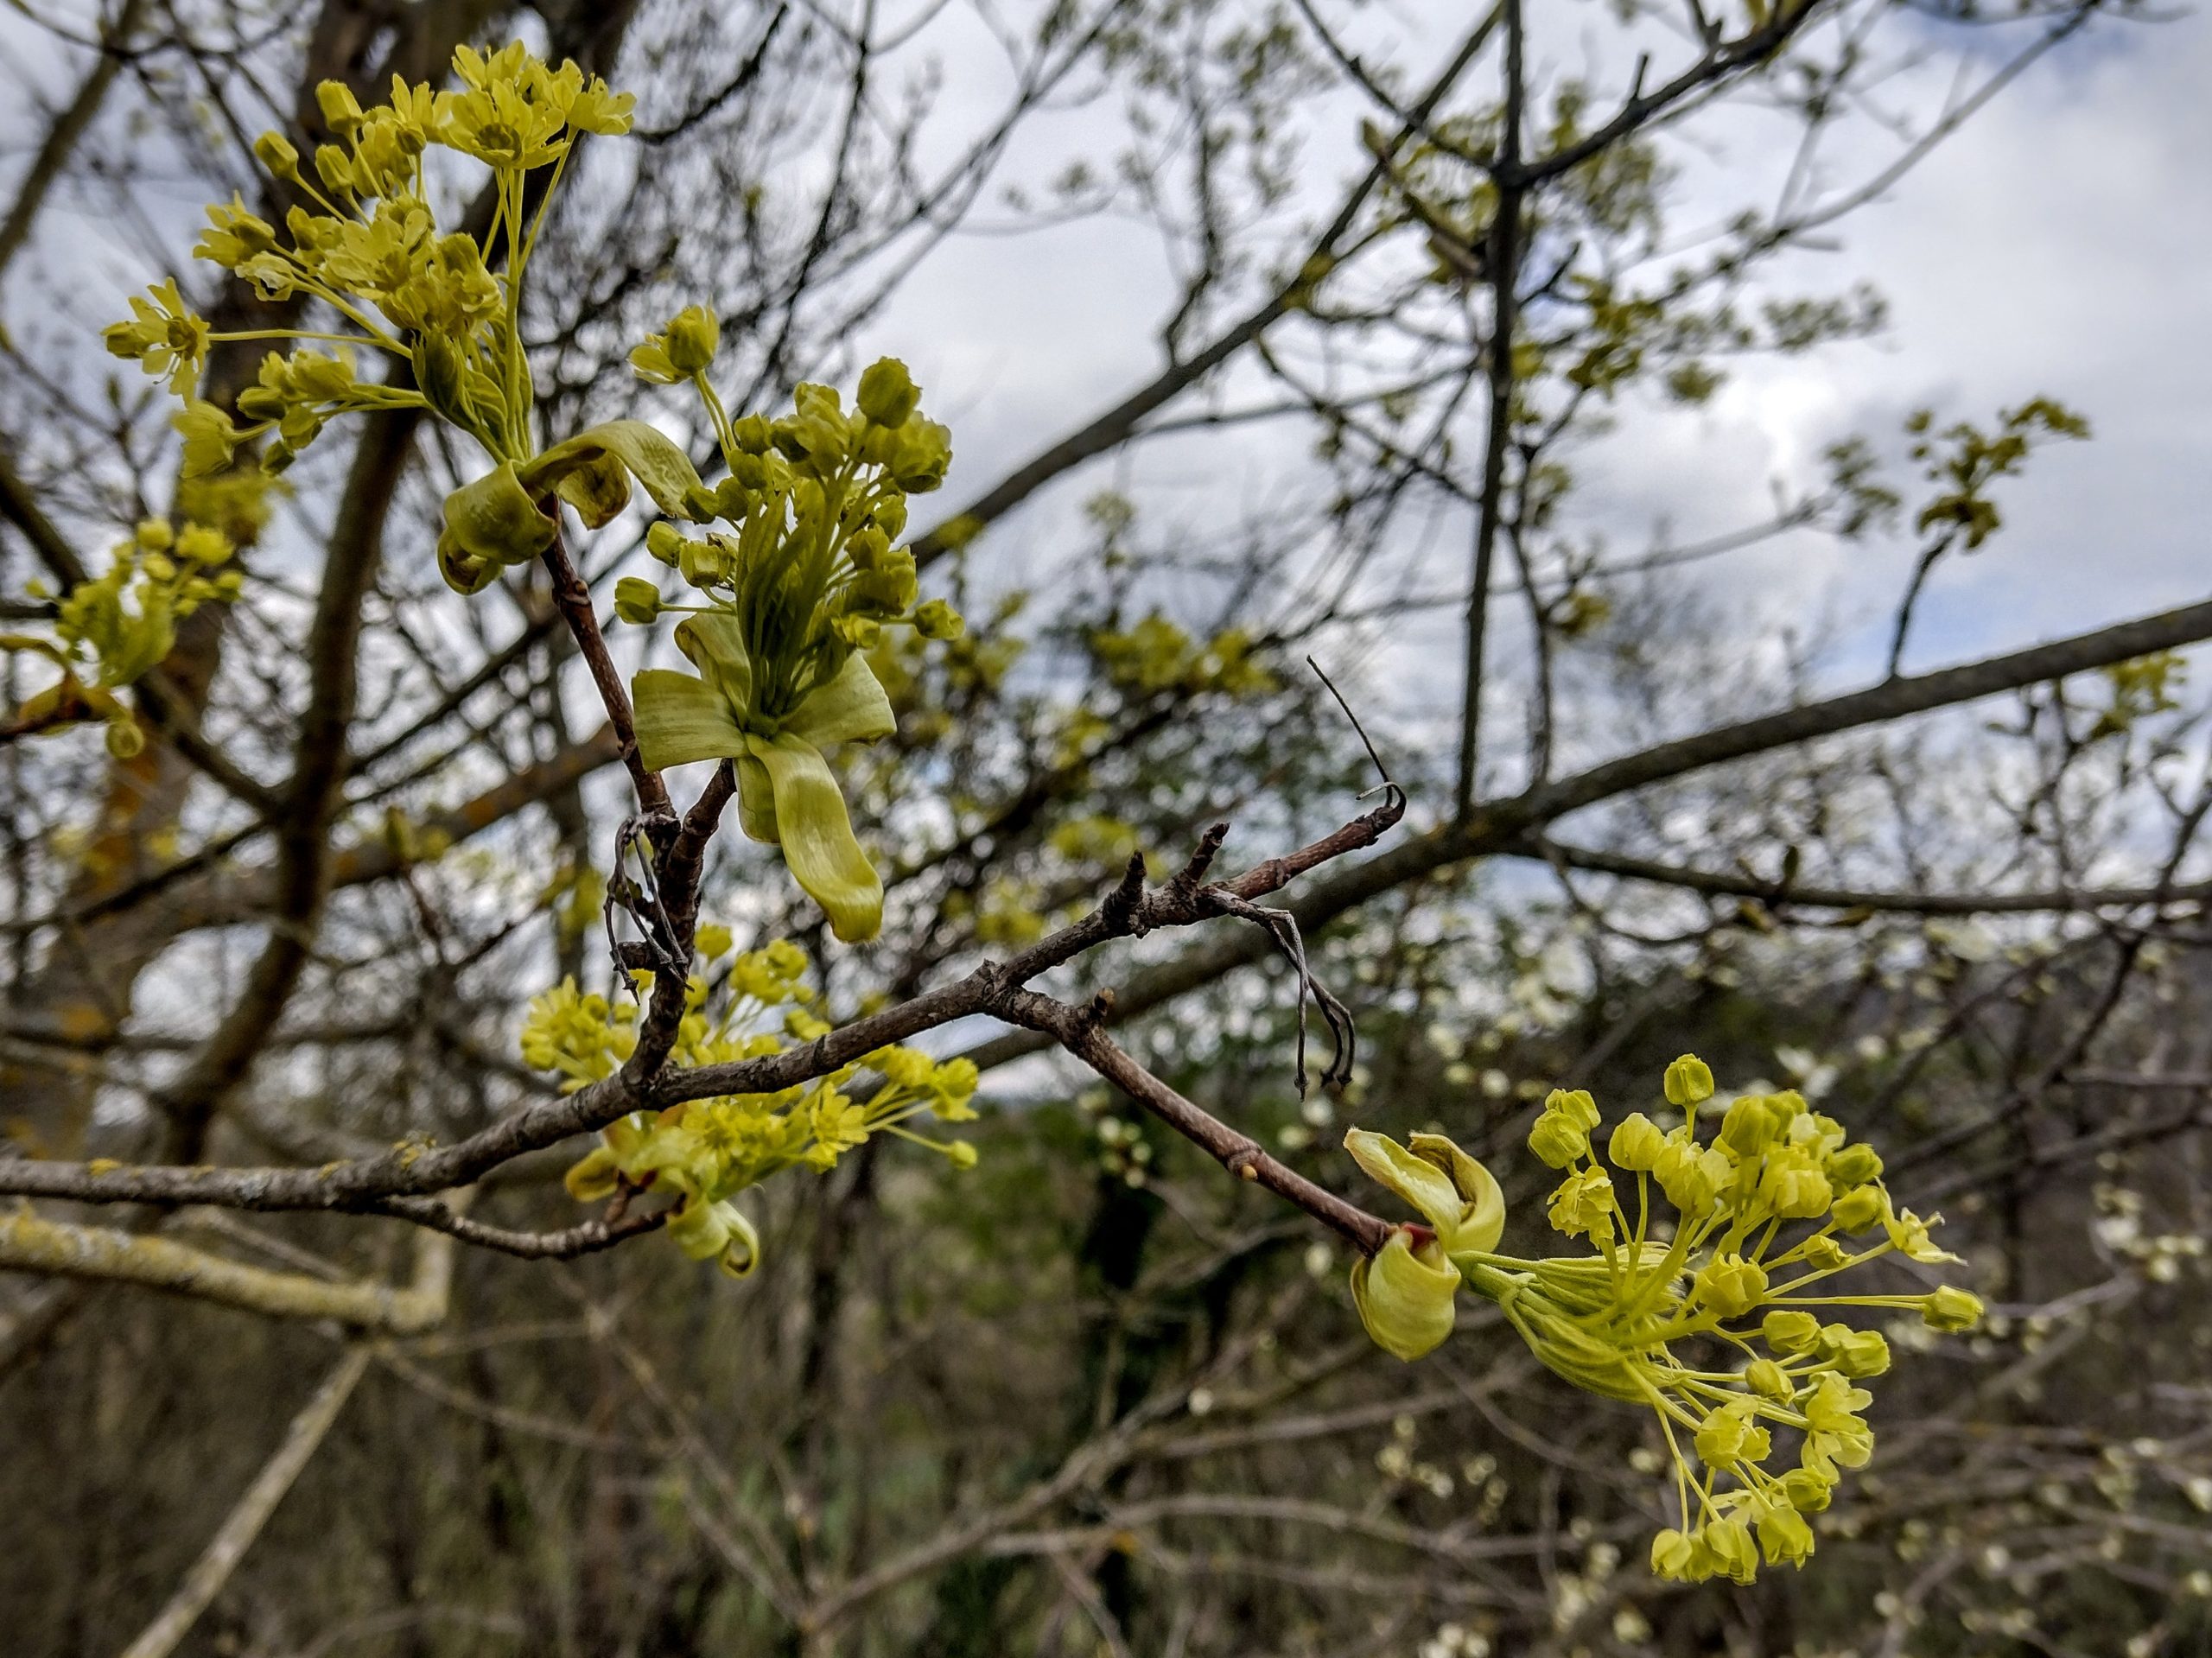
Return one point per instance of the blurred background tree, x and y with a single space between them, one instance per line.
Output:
1093 1396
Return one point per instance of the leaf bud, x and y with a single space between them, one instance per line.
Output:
125 741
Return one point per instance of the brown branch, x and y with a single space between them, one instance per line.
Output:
68 129
1083 1035
100 1254
244 1522
301 875
1780 894
678 876
411 1169
587 1237
1118 422
1499 825
1721 59
20 509
1504 262
573 599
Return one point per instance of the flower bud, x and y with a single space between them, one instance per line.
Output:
700 562
887 394
334 168
1576 1105
869 547
1558 1141
1790 1332
1856 1353
1405 1295
1636 1143
203 544
1750 1126
921 456
1690 1176
1731 1285
938 621
693 337
1689 1082
732 499
889 590
1722 1438
753 433
1769 1380
1862 1208
1822 1252
1854 1165
1784 1539
637 601
1793 1189
1673 1555
276 153
341 110
1730 1540
1951 1309
1807 1490
665 542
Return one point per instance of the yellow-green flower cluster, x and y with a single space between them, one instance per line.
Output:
802 572
795 583
706 1151
1714 1316
374 254
1157 654
111 630
362 241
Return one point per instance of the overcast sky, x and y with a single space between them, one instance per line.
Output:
2059 243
